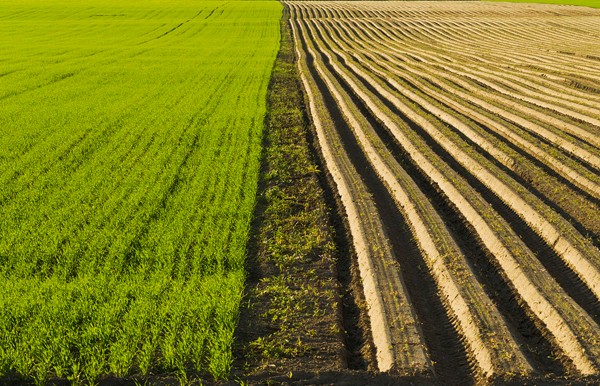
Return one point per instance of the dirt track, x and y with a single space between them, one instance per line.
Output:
463 141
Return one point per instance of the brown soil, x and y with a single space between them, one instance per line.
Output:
497 199
304 313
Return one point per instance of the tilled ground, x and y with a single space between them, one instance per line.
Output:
462 140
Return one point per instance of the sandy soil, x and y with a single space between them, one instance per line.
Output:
417 93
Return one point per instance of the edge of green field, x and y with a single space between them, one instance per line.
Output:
130 150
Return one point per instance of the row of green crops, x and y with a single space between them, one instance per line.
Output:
130 142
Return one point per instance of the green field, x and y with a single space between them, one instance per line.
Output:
130 144
583 3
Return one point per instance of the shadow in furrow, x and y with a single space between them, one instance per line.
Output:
523 172
564 275
514 147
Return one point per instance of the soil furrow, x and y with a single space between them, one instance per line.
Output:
444 347
521 169
536 340
458 165
567 245
424 221
394 58
507 98
395 331
480 98
540 305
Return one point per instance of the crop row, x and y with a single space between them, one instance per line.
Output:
130 145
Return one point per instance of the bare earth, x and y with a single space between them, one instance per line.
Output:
463 139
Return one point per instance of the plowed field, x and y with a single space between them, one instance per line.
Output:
463 139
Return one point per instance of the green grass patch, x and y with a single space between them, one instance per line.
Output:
130 145
583 3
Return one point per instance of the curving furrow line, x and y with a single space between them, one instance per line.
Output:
507 42
491 342
396 333
486 53
574 331
475 53
566 241
489 52
503 107
402 69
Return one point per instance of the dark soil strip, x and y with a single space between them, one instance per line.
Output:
303 314
360 350
443 341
